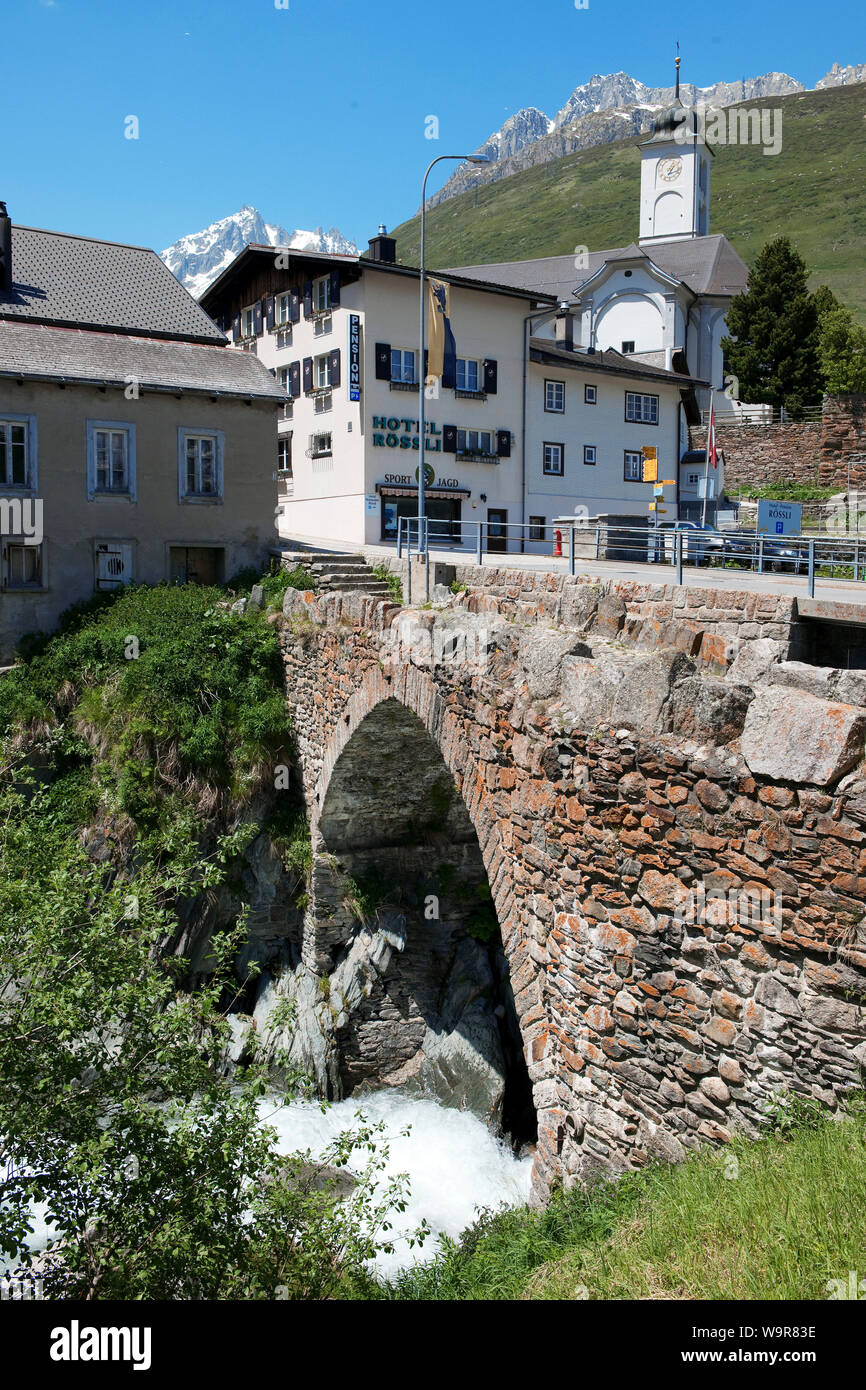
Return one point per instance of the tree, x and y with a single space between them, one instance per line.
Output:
841 345
773 343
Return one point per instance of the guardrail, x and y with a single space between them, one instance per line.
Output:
673 544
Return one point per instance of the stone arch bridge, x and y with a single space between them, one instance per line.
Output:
670 814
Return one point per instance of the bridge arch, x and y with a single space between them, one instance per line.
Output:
400 799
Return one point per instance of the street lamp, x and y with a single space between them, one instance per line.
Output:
422 375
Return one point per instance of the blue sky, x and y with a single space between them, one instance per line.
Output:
315 113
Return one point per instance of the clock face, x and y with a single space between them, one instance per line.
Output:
670 169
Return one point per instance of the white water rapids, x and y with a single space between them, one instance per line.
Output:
454 1163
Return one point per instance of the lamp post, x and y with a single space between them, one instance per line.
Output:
422 375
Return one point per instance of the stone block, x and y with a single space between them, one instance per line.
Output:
708 709
792 736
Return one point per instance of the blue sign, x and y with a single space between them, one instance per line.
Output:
780 518
354 357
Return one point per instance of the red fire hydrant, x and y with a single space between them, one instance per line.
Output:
557 543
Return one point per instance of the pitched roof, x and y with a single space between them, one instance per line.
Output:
40 353
74 280
708 265
543 350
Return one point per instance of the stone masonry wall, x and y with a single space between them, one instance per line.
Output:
676 846
830 452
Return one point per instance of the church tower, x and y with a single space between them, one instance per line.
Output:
675 177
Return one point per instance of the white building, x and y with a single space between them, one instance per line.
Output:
533 427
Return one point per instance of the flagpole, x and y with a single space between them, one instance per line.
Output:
422 375
710 430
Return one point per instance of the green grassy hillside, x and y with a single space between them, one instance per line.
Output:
812 191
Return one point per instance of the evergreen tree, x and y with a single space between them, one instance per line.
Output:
841 345
773 347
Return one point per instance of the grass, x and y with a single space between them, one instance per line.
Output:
773 1218
382 572
787 491
812 190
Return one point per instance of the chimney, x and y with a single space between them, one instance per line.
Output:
383 247
563 328
5 250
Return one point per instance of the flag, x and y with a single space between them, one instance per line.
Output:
711 439
442 351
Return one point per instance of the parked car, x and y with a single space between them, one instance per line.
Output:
701 544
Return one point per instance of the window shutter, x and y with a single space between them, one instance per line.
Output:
449 373
308 375
269 312
449 439
295 311
294 379
383 361
334 362
490 375
258 320
426 363
503 443
308 299
335 289
236 327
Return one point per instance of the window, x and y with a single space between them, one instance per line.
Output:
536 528
112 565
322 325
200 465
320 446
628 346
322 372
283 310
590 395
474 442
641 408
284 454
22 566
554 396
248 322
633 466
18 451
554 459
694 479
110 459
322 295
468 375
283 378
589 453
402 365
323 402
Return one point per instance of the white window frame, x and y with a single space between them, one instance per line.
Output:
248 321
31 471
322 295
184 433
478 447
326 452
322 378
627 346
557 391
283 301
641 408
403 354
96 493
285 441
466 363
547 459
7 547
590 449
631 455
323 325
590 394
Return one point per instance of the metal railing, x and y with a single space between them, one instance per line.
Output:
673 544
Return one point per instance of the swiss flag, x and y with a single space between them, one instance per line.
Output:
711 439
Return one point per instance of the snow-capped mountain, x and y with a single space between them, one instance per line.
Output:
197 259
608 108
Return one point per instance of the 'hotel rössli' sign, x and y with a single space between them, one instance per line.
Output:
391 432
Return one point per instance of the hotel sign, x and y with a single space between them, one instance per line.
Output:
393 432
354 357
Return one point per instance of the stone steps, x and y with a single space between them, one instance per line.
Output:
337 570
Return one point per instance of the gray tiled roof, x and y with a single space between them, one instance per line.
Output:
35 351
706 264
58 278
543 350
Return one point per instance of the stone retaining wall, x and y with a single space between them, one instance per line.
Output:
829 453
